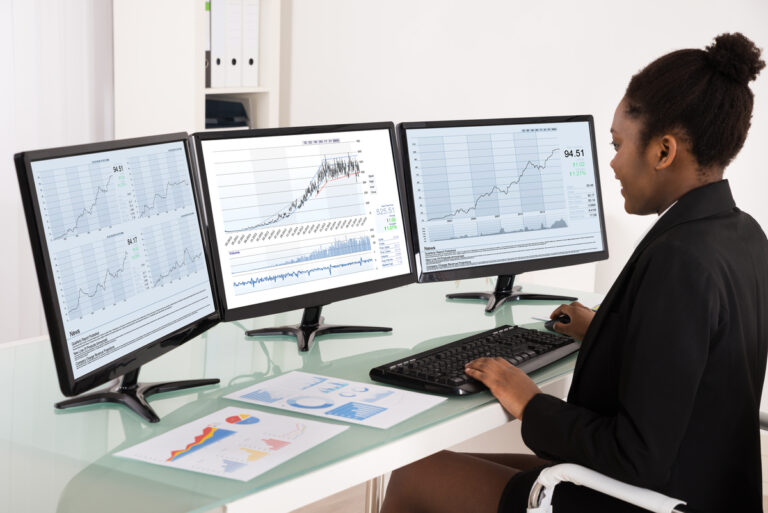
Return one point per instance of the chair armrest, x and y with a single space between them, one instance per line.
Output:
540 499
764 420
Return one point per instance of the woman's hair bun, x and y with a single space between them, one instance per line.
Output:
736 57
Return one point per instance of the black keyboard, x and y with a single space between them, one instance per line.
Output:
441 370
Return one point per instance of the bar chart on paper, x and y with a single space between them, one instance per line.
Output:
235 443
338 399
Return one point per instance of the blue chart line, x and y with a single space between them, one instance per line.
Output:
327 270
146 210
496 188
329 170
87 210
101 285
338 247
187 257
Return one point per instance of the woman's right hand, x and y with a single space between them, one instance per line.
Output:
580 316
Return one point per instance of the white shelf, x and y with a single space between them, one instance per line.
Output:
235 90
160 77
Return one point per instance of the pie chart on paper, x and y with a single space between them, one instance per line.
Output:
310 403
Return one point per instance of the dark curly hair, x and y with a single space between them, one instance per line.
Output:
702 94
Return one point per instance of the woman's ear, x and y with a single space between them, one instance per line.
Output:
666 148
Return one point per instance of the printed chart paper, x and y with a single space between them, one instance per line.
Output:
235 443
338 399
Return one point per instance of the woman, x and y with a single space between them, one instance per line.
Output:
666 389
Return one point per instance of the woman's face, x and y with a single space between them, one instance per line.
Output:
634 166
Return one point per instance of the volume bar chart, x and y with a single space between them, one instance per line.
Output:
280 255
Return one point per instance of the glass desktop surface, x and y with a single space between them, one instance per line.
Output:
63 461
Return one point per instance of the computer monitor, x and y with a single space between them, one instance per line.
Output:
121 262
302 217
502 197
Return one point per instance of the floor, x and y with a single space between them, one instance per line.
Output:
353 499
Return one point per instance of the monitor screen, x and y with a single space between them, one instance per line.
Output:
304 216
119 251
503 196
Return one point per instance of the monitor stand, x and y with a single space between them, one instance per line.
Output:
131 393
505 291
312 326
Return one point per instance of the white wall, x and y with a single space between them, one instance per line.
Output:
55 90
410 60
400 60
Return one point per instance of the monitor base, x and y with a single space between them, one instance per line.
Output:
133 394
505 291
312 326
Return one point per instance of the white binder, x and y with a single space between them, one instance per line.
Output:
250 31
226 43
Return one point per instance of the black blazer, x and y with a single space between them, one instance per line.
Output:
666 390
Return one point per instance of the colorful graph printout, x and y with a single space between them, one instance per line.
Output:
338 399
235 443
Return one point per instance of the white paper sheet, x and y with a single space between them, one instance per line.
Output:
235 443
338 399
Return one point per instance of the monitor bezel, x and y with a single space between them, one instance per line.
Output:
69 385
511 268
323 297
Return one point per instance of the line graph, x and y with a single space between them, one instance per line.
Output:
289 185
487 183
330 170
147 209
87 210
80 199
496 188
161 182
173 251
329 174
301 275
94 276
187 260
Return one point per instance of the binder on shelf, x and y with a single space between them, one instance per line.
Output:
226 43
250 31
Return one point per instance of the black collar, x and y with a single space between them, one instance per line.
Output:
705 201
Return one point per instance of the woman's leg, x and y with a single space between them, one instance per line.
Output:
449 482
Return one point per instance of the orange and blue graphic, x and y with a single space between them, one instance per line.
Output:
209 436
242 418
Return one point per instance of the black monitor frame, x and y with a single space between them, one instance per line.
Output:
510 269
314 300
129 364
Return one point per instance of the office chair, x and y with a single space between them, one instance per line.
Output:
540 498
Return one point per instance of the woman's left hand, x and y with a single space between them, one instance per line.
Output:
511 386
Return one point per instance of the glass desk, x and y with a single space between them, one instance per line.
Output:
62 461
